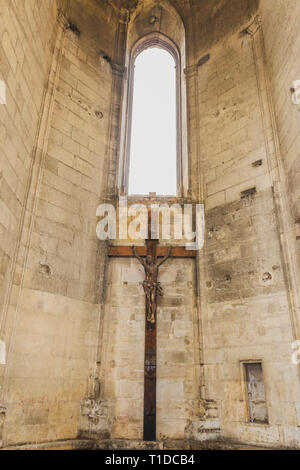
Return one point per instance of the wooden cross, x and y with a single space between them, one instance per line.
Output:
148 256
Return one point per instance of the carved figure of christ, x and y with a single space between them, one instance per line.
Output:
151 285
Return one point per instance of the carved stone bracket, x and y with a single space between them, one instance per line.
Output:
191 70
94 419
124 16
118 70
295 90
254 26
61 19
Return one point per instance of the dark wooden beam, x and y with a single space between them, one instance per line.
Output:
126 251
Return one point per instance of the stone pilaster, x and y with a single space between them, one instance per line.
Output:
119 73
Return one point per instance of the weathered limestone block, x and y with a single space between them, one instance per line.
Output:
205 426
257 434
2 418
94 420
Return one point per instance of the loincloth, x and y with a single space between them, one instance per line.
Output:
152 285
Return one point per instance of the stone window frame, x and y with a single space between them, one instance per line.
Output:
160 40
245 390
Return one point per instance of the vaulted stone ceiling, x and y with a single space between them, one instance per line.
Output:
205 10
182 6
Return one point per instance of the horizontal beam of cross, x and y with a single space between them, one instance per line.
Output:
126 251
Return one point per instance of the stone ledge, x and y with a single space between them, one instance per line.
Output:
74 444
221 444
123 444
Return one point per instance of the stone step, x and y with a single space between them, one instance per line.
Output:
125 444
220 444
72 444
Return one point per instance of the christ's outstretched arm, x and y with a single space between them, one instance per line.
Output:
165 258
137 256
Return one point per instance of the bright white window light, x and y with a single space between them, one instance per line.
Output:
153 150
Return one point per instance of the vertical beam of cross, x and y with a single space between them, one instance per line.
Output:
150 366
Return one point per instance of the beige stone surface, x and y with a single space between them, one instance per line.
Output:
51 325
72 321
123 369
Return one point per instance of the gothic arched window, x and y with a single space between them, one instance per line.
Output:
153 140
153 137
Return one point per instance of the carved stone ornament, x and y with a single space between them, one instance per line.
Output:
254 26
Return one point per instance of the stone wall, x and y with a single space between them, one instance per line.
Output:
27 38
74 328
123 354
54 310
246 304
247 318
282 50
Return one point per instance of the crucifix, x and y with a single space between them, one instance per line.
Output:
151 256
